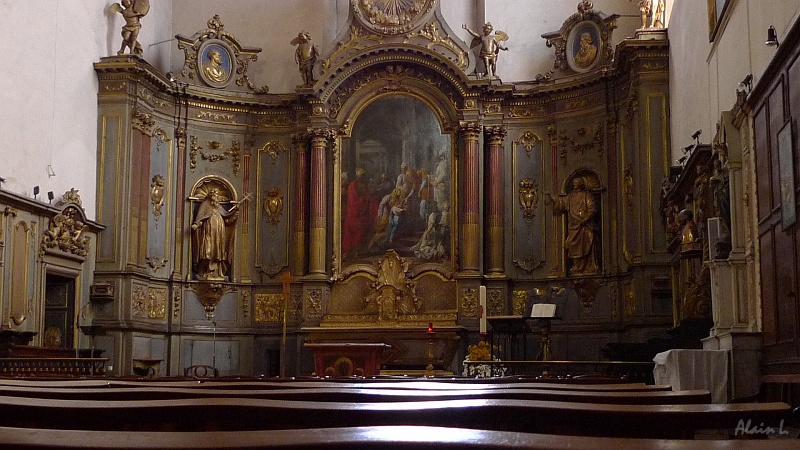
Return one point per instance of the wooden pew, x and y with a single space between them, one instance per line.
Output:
358 395
246 414
354 438
423 383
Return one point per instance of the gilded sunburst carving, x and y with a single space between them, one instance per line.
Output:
392 16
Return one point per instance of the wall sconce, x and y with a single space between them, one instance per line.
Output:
772 37
50 197
745 85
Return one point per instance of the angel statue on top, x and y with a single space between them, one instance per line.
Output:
132 11
491 44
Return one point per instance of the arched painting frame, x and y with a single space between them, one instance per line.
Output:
395 184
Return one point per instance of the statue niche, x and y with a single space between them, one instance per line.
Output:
213 229
393 294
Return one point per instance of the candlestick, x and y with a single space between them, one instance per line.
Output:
482 313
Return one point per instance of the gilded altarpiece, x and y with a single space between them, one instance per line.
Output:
393 187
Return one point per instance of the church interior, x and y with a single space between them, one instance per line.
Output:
544 210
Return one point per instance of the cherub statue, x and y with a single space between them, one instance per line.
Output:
491 44
132 11
305 56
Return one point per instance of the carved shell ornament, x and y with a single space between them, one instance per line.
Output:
392 16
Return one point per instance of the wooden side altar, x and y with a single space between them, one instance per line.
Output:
343 359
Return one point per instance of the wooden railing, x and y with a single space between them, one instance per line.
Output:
623 370
23 367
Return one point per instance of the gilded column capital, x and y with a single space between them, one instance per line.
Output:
299 141
470 130
320 136
496 134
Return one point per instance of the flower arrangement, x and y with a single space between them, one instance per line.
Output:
481 352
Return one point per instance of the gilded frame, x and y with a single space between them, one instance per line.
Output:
361 151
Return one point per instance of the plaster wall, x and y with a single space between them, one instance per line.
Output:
48 96
703 74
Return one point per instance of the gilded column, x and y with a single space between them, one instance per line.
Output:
300 202
317 232
494 232
470 132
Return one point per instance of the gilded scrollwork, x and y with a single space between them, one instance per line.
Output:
358 40
273 205
157 303
65 232
393 293
630 299
297 305
176 304
628 186
391 75
528 140
156 262
518 299
469 302
157 195
274 149
245 303
528 197
139 303
495 302
579 143
432 33
269 308
391 16
313 304
143 121
234 153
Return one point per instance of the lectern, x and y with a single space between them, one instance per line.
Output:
544 313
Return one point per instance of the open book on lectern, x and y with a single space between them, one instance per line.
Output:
543 310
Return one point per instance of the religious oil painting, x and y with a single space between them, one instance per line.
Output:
786 170
215 64
396 184
584 46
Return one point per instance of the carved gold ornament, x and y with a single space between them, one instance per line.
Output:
157 303
469 302
234 153
528 197
139 303
65 232
273 205
393 293
157 192
391 16
71 196
269 307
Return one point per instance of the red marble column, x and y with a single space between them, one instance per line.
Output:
470 132
494 230
319 202
299 143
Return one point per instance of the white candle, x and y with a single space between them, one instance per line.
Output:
482 314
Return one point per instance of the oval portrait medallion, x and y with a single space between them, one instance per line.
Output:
215 64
